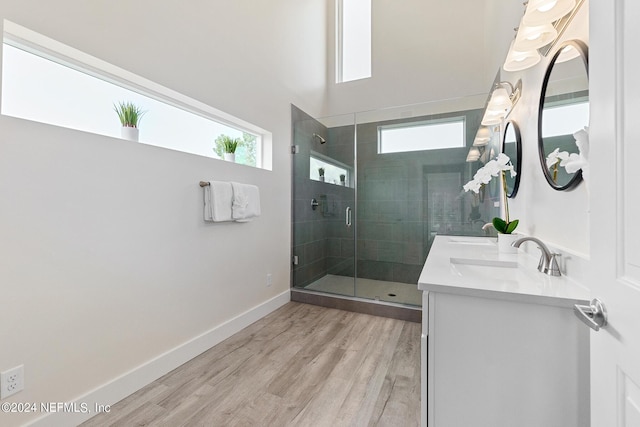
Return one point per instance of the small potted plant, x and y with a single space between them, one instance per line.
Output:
343 179
130 116
227 146
504 227
321 173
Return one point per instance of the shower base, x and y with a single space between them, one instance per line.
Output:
380 298
379 290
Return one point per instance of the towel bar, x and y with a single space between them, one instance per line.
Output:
204 183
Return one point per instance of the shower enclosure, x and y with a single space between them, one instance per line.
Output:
371 190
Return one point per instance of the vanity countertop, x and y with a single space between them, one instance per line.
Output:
472 266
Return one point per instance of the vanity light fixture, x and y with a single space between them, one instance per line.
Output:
534 37
492 118
543 23
474 154
500 100
483 136
503 97
546 11
518 60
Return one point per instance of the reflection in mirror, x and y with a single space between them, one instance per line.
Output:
564 110
511 146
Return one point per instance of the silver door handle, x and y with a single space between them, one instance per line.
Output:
347 216
593 315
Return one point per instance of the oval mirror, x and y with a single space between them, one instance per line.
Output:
512 147
564 110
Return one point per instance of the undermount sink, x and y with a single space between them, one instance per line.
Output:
485 262
485 270
472 241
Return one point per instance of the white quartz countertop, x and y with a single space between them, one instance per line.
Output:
472 266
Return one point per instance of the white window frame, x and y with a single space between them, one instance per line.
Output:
43 46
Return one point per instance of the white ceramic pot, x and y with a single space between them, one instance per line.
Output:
129 133
230 157
505 241
321 178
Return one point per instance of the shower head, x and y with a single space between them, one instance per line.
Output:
319 138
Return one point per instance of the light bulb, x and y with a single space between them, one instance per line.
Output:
546 11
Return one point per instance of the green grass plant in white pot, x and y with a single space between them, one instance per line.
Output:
130 116
226 146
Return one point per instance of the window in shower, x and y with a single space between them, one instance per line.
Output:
333 170
419 136
48 82
353 40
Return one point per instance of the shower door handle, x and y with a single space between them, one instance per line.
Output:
347 217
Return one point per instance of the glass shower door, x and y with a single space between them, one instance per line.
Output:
410 165
369 196
323 196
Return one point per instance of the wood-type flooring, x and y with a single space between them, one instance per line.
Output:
302 365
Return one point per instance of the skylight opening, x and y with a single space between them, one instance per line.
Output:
353 40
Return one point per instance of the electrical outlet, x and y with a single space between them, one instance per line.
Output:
11 381
269 280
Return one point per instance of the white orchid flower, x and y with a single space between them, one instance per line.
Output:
505 164
582 141
483 175
491 169
472 185
574 163
503 159
495 167
556 155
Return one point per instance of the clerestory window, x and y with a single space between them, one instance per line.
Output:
59 85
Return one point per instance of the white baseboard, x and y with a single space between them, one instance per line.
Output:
134 380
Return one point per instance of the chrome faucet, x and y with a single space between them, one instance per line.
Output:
548 263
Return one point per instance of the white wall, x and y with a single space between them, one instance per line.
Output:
424 51
560 218
106 263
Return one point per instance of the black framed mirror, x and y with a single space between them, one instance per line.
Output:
512 147
564 110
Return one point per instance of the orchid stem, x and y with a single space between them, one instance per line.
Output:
506 203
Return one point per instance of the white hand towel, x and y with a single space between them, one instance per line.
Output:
218 197
246 202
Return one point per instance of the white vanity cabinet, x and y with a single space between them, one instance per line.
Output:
501 345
